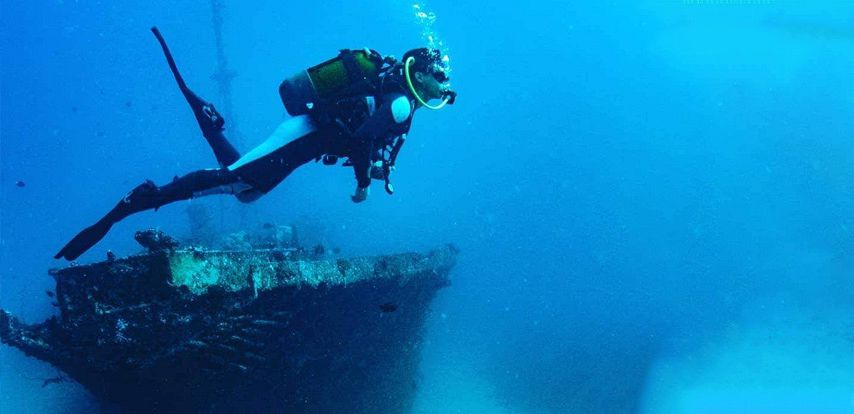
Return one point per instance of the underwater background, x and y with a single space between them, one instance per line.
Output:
653 199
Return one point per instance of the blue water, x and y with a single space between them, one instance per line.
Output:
653 199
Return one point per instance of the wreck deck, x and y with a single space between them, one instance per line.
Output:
271 330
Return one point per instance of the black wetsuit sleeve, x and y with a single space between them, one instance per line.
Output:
361 159
375 128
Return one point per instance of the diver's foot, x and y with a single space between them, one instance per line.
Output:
141 193
143 197
210 119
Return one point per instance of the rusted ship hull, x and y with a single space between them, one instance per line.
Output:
241 331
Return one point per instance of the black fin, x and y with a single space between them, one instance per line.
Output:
84 240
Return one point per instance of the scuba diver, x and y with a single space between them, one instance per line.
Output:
358 105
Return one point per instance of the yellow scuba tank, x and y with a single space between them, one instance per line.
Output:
351 73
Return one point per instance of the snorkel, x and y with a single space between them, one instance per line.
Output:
449 96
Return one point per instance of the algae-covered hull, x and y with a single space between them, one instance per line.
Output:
241 331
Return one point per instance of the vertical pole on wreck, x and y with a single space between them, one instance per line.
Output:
223 75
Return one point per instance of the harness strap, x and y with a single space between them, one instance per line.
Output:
371 101
392 158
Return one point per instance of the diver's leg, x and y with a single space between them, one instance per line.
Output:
295 142
268 168
212 125
210 121
147 196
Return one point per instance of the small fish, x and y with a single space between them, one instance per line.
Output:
388 307
20 183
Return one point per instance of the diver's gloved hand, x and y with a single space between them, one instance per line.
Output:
377 172
361 194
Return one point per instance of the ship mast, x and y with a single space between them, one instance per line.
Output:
223 75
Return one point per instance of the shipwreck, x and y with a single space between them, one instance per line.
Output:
267 328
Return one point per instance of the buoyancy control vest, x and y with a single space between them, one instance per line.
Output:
343 91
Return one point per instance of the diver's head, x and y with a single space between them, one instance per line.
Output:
427 71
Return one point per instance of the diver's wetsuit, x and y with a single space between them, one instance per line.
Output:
295 142
362 128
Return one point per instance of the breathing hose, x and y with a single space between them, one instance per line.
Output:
409 61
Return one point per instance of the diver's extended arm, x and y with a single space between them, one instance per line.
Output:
396 109
360 157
